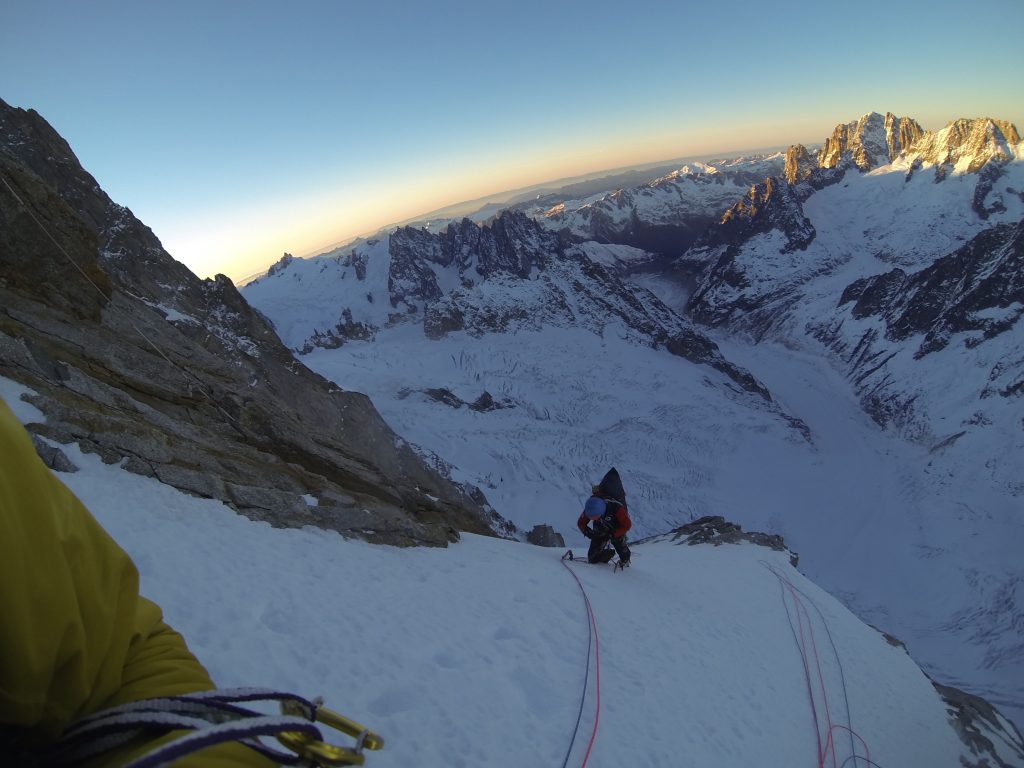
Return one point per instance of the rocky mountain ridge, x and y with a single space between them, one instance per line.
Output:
748 272
892 252
870 141
927 260
666 214
133 357
508 275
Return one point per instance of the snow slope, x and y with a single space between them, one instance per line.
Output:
862 507
318 280
920 539
477 655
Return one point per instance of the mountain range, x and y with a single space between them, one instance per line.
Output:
823 345
884 268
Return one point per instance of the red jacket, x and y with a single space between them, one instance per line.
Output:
615 518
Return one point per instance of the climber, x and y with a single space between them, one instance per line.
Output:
76 636
606 511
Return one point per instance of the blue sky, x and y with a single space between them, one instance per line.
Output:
238 130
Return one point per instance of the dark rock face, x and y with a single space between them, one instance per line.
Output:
280 265
723 288
545 536
346 329
767 206
512 244
716 530
410 279
52 456
987 178
136 359
991 738
693 346
951 296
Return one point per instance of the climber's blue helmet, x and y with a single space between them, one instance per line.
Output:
594 508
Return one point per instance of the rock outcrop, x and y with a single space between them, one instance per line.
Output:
991 738
716 530
545 536
135 358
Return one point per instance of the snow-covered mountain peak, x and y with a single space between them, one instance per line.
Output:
968 145
666 214
690 169
870 141
875 141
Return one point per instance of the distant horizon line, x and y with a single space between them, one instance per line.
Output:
505 195
473 205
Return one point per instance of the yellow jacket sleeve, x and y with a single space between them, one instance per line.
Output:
75 635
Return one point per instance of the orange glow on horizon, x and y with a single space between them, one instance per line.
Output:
244 243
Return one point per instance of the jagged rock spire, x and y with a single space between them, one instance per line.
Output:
871 141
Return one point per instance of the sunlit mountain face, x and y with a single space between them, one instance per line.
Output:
823 343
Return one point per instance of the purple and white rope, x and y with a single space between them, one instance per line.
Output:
214 717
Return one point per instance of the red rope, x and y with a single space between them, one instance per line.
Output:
597 661
802 647
867 749
801 612
830 745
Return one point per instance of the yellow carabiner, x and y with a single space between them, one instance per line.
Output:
339 722
320 753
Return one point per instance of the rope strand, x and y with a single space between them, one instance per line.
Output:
802 613
592 630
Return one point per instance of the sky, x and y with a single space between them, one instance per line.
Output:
241 130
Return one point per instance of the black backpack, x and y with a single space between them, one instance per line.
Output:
611 487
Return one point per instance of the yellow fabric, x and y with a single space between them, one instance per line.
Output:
75 635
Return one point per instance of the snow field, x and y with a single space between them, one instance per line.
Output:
476 655
581 405
876 520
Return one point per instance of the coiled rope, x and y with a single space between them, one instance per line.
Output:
593 641
209 718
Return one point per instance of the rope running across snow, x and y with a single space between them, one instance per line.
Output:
593 641
803 630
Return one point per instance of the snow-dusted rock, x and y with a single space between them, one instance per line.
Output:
134 358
